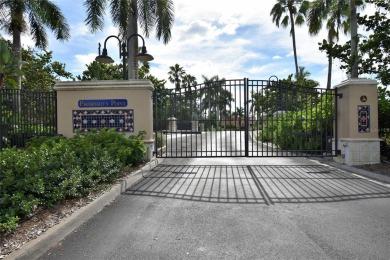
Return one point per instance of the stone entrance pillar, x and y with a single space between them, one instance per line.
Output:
194 126
172 124
125 105
357 122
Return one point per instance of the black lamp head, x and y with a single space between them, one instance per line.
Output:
144 56
104 58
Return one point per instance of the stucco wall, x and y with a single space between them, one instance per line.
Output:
347 115
138 94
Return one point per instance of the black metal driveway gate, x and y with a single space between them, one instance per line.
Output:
251 118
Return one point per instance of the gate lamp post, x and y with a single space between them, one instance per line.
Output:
279 93
123 52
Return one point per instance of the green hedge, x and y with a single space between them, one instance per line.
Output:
52 170
301 130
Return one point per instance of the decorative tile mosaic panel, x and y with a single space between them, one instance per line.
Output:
364 119
120 119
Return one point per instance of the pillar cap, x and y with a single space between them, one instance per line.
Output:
103 85
355 82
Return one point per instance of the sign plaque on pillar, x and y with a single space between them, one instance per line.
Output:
120 119
363 119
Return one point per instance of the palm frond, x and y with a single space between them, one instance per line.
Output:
276 13
315 16
299 20
146 15
164 19
51 16
37 31
95 14
5 19
286 20
120 12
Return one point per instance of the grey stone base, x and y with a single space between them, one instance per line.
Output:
358 151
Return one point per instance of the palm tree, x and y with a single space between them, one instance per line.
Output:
209 92
239 112
126 14
303 79
336 14
294 12
215 98
189 82
33 17
176 75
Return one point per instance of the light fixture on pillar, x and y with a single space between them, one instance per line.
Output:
277 86
271 83
124 46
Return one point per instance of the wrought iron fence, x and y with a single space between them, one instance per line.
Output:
25 114
245 118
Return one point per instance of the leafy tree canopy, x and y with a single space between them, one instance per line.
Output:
40 72
9 67
101 71
374 50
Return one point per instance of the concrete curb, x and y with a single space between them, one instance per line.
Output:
39 246
364 173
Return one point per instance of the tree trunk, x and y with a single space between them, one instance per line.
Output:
132 48
17 48
330 59
294 43
330 63
2 77
354 42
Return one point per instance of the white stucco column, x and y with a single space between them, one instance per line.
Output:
357 122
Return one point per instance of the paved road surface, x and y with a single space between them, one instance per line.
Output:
229 208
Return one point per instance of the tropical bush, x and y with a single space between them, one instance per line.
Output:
161 141
305 129
51 170
384 120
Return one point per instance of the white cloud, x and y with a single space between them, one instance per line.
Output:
209 37
81 61
268 69
290 54
85 58
79 30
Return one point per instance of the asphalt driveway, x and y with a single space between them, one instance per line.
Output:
229 208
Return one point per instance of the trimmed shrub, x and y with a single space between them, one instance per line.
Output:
51 170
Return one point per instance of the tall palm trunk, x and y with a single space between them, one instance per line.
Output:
330 61
354 41
132 28
17 49
293 39
17 46
330 65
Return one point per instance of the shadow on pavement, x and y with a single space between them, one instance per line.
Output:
265 184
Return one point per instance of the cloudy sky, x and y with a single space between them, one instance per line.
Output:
228 38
